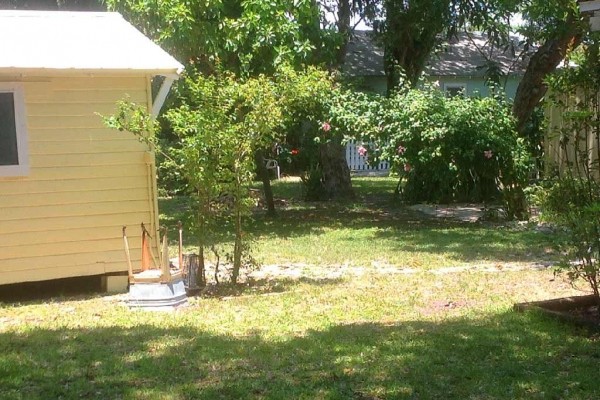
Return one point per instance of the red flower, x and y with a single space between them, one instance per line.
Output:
295 152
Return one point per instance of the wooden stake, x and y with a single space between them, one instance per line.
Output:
127 254
180 226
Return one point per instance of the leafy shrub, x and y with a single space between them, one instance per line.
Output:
573 204
450 148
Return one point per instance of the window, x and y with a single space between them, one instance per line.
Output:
455 89
13 135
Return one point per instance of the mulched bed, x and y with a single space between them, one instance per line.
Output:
578 310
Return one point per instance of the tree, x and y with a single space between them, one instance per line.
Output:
347 14
559 28
409 31
311 99
572 200
449 149
220 126
246 38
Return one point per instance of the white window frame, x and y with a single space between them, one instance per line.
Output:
22 169
456 85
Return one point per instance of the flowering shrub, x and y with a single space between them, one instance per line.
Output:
321 116
449 149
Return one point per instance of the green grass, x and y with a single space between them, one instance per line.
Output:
373 229
377 337
424 335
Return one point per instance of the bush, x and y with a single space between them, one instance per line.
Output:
573 204
450 148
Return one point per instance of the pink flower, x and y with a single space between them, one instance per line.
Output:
361 151
401 150
488 154
407 167
326 127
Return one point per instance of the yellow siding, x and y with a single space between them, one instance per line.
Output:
86 181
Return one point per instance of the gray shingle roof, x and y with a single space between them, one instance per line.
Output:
461 56
363 56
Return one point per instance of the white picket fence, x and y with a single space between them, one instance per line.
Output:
358 163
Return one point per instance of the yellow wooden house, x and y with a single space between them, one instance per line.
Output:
67 183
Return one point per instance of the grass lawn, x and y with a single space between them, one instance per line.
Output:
431 334
372 229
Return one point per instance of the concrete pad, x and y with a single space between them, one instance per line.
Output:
115 284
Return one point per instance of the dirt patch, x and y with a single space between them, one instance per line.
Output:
461 212
443 306
296 271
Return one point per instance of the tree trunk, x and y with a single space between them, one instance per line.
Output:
410 33
237 249
336 174
263 174
202 216
201 273
344 15
544 61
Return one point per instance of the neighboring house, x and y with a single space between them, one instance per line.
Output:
364 62
461 65
68 183
458 65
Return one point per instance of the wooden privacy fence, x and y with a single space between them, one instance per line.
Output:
564 147
358 163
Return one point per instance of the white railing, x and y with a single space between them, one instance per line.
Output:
356 162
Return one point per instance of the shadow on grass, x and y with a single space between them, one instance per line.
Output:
261 286
407 230
373 216
54 291
504 356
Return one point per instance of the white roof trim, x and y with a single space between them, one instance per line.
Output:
37 41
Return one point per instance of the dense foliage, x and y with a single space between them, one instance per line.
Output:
573 204
321 115
247 37
447 148
572 201
225 120
219 129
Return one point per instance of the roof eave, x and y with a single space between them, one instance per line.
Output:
90 72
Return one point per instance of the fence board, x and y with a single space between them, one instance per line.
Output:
358 163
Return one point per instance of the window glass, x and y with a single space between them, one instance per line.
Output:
455 90
9 154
